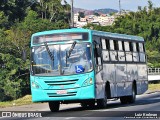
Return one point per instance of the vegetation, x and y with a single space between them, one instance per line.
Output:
19 19
106 11
154 87
21 101
146 23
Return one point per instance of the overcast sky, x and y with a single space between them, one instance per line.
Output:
113 4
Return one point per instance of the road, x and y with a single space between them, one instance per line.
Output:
146 103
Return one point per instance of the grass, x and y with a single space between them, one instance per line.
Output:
21 101
154 87
27 99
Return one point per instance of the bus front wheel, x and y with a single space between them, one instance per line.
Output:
102 103
54 106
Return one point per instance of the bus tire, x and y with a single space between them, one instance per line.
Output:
132 98
124 99
102 103
90 103
84 105
54 106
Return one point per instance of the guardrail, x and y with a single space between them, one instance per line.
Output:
153 71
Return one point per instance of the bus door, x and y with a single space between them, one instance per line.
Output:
98 68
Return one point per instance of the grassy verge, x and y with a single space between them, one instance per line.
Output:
154 87
21 101
27 99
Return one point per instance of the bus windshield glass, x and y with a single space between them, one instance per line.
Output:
79 61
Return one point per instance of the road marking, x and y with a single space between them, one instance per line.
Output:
70 118
101 110
87 114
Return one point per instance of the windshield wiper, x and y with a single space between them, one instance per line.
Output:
49 52
71 49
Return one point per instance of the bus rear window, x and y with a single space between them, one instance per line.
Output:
60 37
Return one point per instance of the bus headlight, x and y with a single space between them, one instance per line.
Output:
88 82
35 85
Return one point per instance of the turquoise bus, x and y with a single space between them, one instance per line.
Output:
87 67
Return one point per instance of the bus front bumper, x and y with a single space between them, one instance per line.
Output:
82 93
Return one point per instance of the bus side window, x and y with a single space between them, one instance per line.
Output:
128 52
113 52
121 55
105 46
141 52
135 53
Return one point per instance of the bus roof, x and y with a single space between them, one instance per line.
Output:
116 35
94 32
61 31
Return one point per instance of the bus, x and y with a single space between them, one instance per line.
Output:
87 67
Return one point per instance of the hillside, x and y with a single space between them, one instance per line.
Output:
100 11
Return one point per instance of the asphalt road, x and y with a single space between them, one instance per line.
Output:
146 105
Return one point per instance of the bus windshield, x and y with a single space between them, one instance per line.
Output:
66 61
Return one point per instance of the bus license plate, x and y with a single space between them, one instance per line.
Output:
61 91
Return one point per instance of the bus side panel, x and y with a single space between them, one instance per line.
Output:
121 78
109 75
100 85
132 75
142 79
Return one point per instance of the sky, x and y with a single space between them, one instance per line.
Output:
113 4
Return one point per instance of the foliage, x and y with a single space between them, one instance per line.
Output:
19 19
106 11
81 15
146 23
14 77
96 14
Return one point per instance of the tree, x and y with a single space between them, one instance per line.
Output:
96 14
81 15
3 20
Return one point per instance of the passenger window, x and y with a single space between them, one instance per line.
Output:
111 45
120 45
126 46
141 47
104 44
105 55
134 47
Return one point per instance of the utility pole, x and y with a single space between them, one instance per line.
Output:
120 7
72 14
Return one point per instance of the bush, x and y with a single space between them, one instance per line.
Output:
14 77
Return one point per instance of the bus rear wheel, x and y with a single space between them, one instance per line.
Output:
54 106
129 99
124 99
132 98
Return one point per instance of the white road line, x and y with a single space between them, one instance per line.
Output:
70 118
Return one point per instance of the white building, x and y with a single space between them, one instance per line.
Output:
76 17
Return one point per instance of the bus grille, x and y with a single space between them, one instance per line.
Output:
64 82
61 95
